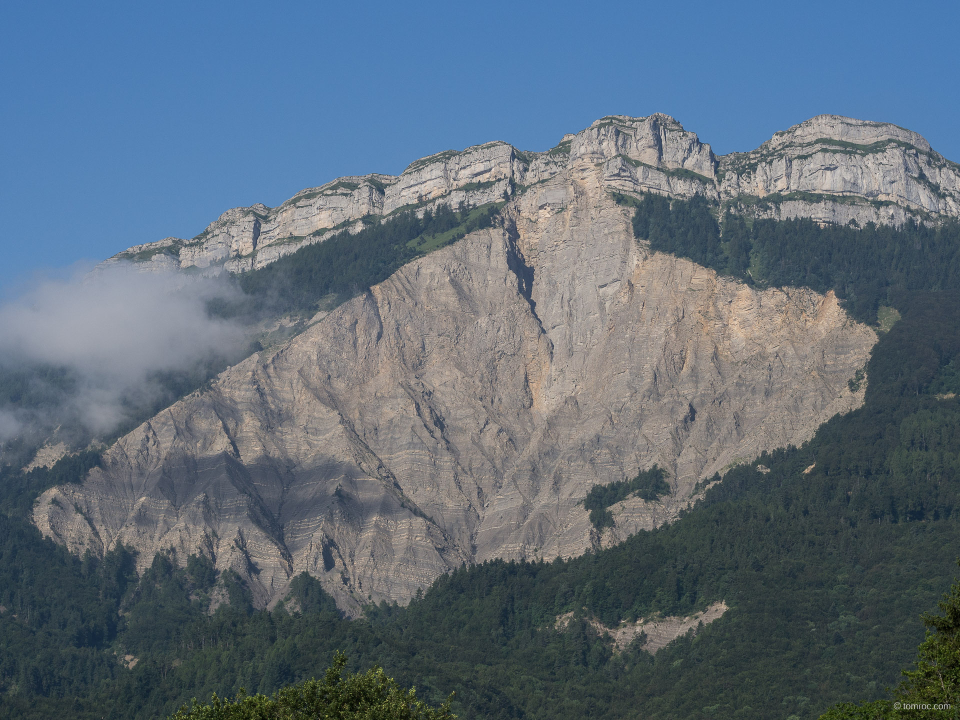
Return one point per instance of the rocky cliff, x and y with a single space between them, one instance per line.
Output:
830 168
462 409
835 169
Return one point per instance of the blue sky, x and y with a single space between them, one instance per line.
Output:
123 123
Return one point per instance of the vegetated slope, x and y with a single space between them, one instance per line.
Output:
826 562
648 485
335 697
867 267
464 407
928 689
349 263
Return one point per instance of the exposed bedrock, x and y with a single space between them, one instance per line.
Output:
462 409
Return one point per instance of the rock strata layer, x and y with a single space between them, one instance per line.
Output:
830 168
462 409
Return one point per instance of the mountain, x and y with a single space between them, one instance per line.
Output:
590 366
830 168
463 409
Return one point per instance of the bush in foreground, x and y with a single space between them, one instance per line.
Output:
932 689
370 696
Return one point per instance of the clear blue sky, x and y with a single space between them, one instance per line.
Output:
123 123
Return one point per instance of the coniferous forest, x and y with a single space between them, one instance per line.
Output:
826 554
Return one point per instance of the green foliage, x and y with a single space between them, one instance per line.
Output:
59 615
376 184
878 710
686 228
342 185
473 219
308 596
370 695
649 485
886 318
936 678
468 187
856 381
932 689
346 264
948 379
867 267
430 159
18 490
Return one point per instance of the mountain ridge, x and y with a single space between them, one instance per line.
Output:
829 168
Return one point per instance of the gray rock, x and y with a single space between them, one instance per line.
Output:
462 409
837 169
829 168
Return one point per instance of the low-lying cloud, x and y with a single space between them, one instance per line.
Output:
112 331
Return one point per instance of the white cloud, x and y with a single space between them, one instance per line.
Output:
9 425
113 328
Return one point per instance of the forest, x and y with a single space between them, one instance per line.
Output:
826 559
868 268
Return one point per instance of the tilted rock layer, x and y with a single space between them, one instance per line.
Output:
830 168
462 409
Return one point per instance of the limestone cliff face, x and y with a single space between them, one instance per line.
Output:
462 409
830 168
836 169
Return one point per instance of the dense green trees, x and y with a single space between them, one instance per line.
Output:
18 489
936 678
58 613
932 688
348 263
368 695
648 485
868 267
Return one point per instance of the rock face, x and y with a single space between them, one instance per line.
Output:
657 632
462 409
830 168
835 169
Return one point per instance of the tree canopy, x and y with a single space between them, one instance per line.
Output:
932 688
336 697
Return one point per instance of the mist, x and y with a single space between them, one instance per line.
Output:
92 349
